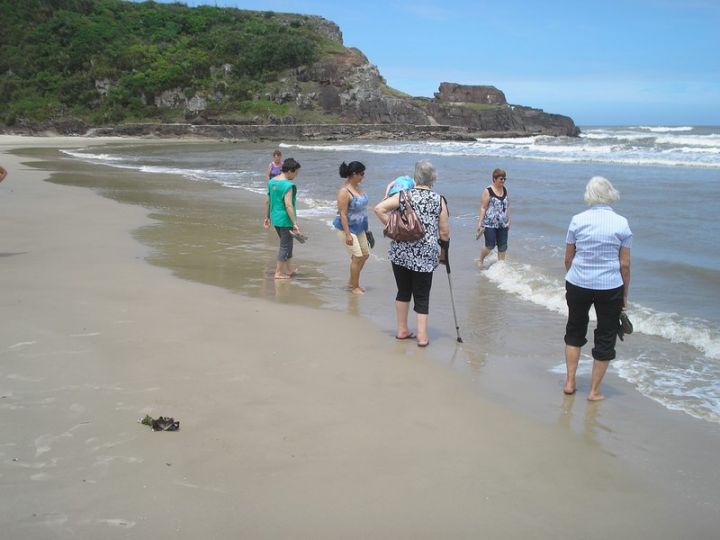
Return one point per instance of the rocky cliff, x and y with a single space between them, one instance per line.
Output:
236 92
345 88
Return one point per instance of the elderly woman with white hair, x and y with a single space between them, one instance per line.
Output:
597 258
413 262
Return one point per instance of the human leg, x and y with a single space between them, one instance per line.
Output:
288 269
358 261
359 252
422 335
356 265
572 359
364 250
401 317
280 272
502 242
421 285
402 300
282 266
490 242
578 301
608 305
598 372
484 252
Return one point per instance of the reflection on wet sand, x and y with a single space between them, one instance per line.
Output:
590 426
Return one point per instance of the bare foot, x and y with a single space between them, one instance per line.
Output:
481 263
293 272
595 397
282 276
569 389
358 290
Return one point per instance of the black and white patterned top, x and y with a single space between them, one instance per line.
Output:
420 255
496 215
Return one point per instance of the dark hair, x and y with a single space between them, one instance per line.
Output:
290 165
349 169
277 152
497 173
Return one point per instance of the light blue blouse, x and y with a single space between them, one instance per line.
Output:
598 234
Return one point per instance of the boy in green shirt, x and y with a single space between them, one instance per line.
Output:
280 212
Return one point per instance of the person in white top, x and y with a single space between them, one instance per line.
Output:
597 258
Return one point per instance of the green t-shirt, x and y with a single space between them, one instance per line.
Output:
276 191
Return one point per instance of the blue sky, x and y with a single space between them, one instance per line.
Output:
649 62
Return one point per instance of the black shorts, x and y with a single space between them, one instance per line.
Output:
608 305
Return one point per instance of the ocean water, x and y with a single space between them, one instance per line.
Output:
669 180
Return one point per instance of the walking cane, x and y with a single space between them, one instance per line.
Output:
445 246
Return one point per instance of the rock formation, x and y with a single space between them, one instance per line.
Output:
343 87
459 93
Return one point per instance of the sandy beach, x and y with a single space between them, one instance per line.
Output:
296 422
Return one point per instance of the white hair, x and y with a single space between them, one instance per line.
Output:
599 190
425 173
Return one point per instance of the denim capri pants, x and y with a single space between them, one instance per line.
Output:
497 237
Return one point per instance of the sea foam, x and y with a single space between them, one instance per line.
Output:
526 282
622 146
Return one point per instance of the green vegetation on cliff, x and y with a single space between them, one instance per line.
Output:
106 61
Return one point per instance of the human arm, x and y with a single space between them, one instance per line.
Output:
343 201
444 221
387 189
269 171
484 202
3 173
569 255
625 273
287 199
383 209
266 221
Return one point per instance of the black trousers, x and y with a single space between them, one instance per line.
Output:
412 284
608 304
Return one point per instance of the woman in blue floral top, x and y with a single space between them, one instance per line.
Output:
351 221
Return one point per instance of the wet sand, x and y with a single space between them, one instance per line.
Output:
295 421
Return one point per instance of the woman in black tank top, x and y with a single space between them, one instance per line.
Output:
494 220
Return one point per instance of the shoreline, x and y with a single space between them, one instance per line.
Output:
276 132
278 436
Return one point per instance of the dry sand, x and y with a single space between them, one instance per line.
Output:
295 422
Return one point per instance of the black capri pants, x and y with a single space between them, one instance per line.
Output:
412 284
608 305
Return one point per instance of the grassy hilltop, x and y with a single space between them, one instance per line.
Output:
105 61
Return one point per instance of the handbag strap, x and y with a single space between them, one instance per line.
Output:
401 200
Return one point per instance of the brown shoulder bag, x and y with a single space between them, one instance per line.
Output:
404 224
